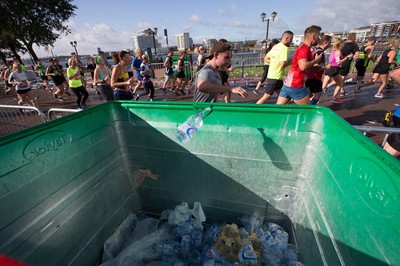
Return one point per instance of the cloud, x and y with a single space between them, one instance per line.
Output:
347 15
89 37
195 18
222 12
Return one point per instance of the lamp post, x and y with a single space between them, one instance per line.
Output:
74 44
153 32
263 16
166 38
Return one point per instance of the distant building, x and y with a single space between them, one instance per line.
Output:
183 41
385 30
362 34
208 43
143 42
297 39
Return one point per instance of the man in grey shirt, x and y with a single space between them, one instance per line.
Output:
208 84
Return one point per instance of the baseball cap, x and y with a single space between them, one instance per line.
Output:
218 47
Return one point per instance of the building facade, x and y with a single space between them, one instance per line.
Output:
362 34
143 42
385 30
183 41
208 43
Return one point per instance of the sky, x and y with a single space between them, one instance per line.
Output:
111 24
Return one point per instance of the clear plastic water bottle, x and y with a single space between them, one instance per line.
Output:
188 129
186 244
247 255
212 233
197 237
291 255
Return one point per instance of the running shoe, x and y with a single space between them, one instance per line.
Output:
380 95
334 100
83 105
137 97
164 90
357 89
344 93
61 99
182 91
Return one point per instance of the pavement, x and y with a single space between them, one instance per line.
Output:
357 109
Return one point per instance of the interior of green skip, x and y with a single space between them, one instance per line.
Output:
66 185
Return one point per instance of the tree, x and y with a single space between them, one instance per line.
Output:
30 22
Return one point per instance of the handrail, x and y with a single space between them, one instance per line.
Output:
371 129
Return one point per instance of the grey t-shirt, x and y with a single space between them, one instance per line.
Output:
212 75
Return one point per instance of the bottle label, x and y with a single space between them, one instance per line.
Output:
190 131
248 254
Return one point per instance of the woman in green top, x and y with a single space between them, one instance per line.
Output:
75 81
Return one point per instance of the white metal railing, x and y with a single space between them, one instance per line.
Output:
55 113
386 130
14 118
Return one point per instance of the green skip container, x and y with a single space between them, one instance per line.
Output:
66 185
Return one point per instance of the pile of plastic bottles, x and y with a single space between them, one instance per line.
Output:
181 237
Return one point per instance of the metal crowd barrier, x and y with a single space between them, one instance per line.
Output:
14 118
386 130
55 113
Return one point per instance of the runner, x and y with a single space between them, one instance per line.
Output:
314 81
349 51
294 85
381 70
364 57
278 58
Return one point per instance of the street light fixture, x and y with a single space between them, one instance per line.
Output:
74 44
153 32
263 16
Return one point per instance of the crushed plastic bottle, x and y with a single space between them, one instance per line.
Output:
178 238
247 255
189 128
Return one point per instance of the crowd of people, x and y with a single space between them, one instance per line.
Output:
310 74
